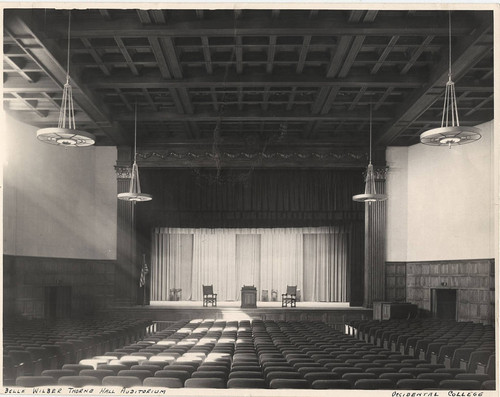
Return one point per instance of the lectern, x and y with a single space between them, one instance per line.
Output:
248 296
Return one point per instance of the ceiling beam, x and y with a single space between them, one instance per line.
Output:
271 53
291 99
206 55
47 54
126 55
32 105
466 54
96 56
322 25
416 54
303 54
153 79
356 45
256 115
384 54
160 57
18 64
239 55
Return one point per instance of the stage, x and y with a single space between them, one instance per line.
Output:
163 313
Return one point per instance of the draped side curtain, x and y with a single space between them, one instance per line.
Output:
313 259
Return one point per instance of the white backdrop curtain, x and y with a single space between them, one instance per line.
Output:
313 259
281 260
248 260
325 267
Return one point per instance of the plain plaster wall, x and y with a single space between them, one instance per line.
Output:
58 202
397 208
447 197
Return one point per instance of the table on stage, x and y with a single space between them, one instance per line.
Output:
248 296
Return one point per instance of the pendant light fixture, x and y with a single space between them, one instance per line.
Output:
451 133
370 195
134 194
66 134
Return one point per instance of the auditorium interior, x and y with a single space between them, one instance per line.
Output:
311 211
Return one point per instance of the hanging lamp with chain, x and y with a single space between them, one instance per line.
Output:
451 133
370 195
134 193
66 134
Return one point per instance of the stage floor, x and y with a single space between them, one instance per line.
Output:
260 305
336 314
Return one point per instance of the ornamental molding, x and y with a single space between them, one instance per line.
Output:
123 172
380 173
254 158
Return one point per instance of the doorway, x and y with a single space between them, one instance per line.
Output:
57 302
444 303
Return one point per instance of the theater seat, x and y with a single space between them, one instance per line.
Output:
210 383
113 367
245 375
209 374
279 383
57 373
123 381
77 367
312 376
460 384
488 385
478 377
240 383
435 376
97 373
416 384
167 373
353 377
138 373
374 384
79 381
34 381
331 384
163 382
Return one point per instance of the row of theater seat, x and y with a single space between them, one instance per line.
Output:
465 345
31 347
258 354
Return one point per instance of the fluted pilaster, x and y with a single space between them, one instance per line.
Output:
375 243
125 277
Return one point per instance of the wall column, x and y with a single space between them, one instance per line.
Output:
125 286
375 242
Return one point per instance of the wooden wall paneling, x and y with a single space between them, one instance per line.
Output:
473 279
91 282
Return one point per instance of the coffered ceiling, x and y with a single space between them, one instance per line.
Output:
244 78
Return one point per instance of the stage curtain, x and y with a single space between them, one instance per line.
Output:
171 265
313 259
214 263
248 260
325 267
281 259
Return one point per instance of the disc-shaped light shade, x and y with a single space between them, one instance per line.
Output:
135 196
370 195
65 137
134 193
450 136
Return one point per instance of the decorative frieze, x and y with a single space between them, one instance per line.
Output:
234 157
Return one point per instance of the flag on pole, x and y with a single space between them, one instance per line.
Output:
144 271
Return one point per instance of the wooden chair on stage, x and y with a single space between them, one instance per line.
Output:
290 296
209 296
